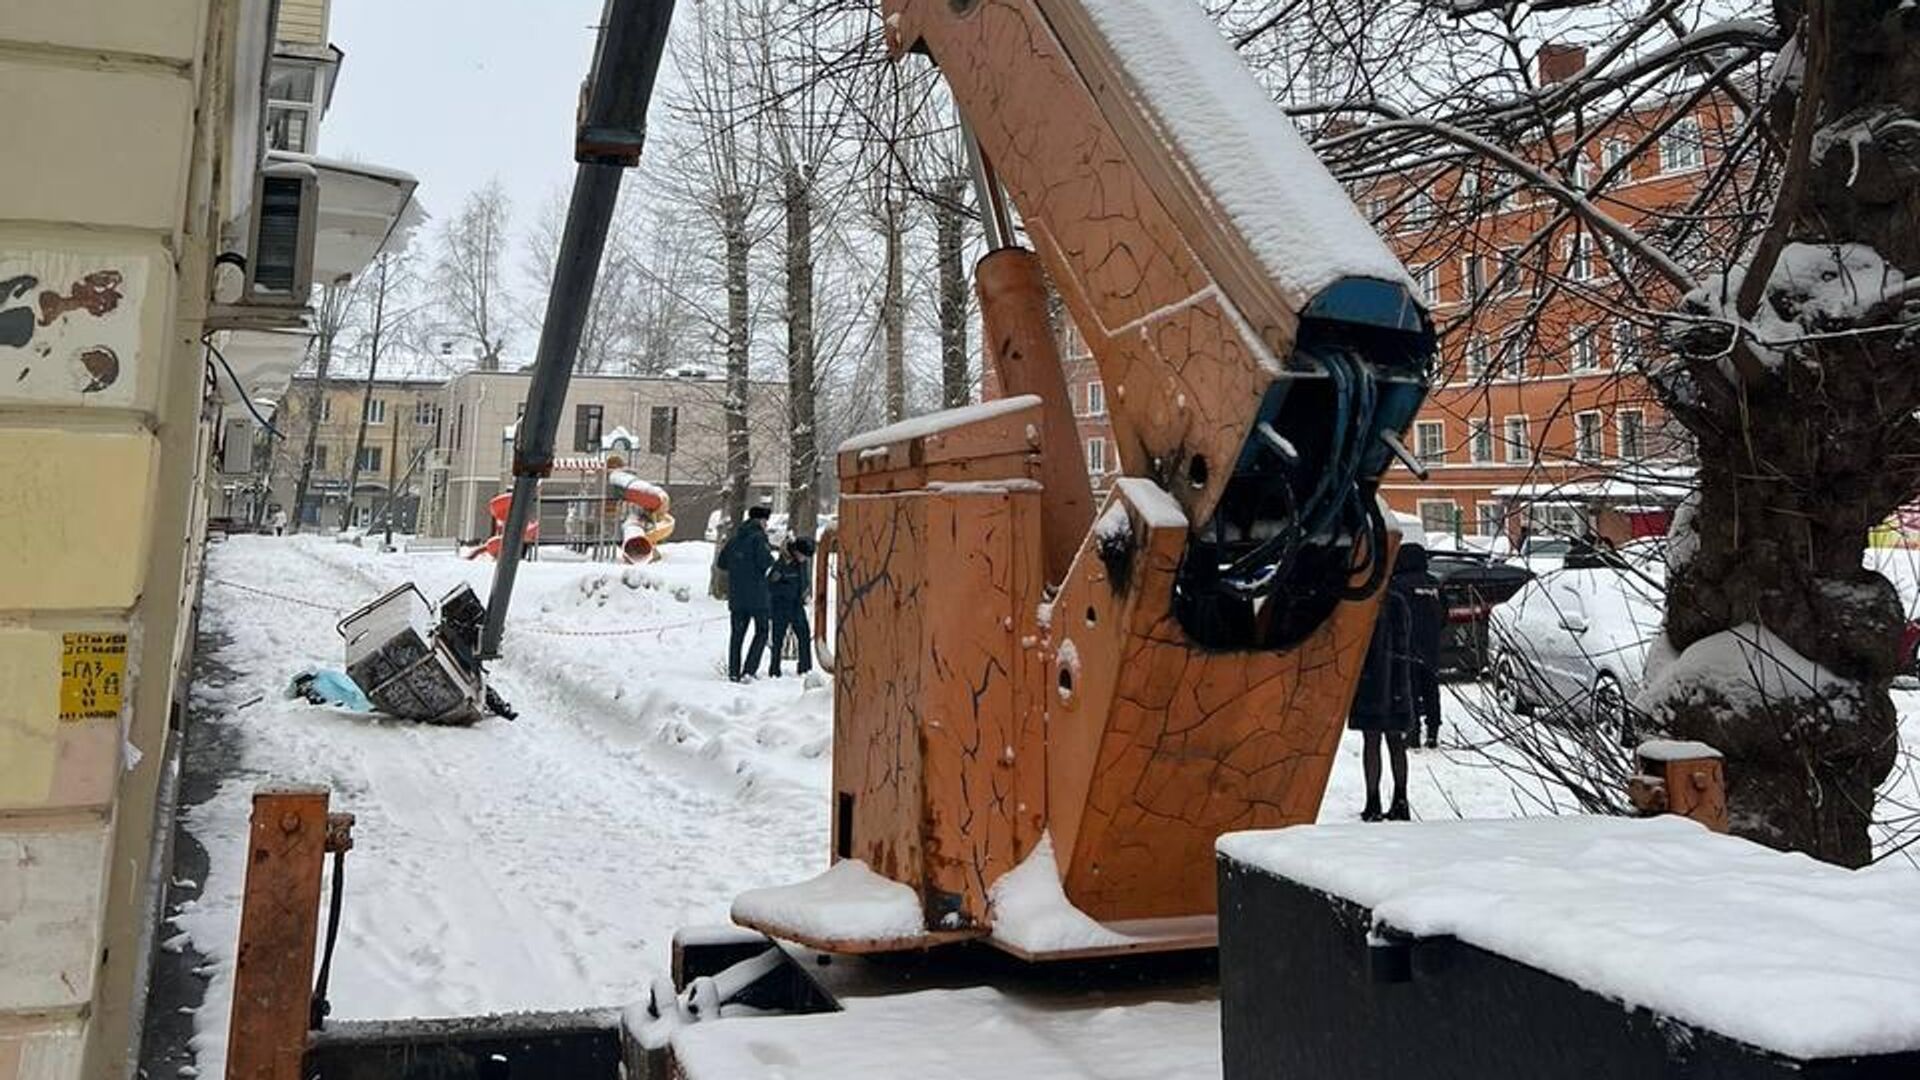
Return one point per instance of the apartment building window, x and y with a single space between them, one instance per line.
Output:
1626 343
1584 352
1097 456
459 424
1632 434
1469 187
663 429
320 457
293 105
370 458
326 408
1513 359
1096 398
1580 176
1430 442
1480 440
1519 440
1491 521
1579 257
1419 210
425 413
587 421
1428 278
1473 277
1377 208
1439 515
1476 358
1682 148
1587 437
1612 152
376 410
1508 280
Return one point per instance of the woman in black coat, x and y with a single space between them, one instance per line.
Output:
1384 704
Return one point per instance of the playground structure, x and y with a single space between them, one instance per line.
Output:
604 510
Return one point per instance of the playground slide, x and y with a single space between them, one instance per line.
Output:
646 527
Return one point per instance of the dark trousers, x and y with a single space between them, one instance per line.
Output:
741 621
791 619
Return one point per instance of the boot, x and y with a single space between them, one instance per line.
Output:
1399 811
1372 812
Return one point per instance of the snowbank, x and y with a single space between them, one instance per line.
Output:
1777 951
1244 151
847 902
1031 911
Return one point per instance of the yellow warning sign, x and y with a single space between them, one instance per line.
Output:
93 676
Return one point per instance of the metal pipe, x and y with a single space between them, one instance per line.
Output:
596 188
995 220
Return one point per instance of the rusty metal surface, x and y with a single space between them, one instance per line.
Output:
279 913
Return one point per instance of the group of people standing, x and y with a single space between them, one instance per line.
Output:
1398 698
765 587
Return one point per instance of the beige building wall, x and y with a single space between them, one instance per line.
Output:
480 407
405 422
114 186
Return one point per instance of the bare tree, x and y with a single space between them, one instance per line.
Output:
1770 312
471 246
329 316
387 291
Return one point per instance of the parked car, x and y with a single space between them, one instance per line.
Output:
1471 584
1573 643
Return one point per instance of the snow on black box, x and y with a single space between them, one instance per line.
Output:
1564 947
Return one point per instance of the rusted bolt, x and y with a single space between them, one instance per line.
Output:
289 822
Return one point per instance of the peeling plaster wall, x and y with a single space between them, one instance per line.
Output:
115 177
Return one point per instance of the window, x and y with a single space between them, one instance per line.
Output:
425 413
1476 358
1519 440
1681 148
1632 434
1473 277
1513 359
1587 439
1584 354
376 409
1612 152
1580 176
1439 515
1377 208
1469 187
1428 278
1480 440
370 458
326 408
1508 281
1626 343
1096 398
1430 442
1418 210
586 428
320 457
1491 521
1097 456
293 96
1579 257
459 424
663 429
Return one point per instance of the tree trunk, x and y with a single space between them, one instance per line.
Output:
802 456
893 316
1800 459
950 250
366 397
328 324
733 226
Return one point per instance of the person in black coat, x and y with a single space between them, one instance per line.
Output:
787 590
1429 619
1383 703
746 558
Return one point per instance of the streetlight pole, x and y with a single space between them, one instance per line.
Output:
613 122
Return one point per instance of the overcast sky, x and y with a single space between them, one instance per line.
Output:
459 91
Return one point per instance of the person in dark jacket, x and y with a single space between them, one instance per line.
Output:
787 591
1429 619
746 559
1383 703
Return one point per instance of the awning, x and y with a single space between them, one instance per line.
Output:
362 208
263 361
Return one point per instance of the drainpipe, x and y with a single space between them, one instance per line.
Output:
613 122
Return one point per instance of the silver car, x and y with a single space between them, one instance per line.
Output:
1572 644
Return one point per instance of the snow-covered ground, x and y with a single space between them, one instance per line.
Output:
545 863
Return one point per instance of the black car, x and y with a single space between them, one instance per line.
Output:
1471 583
